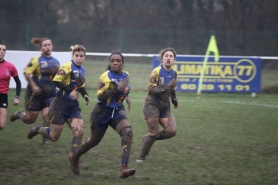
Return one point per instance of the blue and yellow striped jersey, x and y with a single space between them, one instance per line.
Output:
160 76
42 69
70 75
108 81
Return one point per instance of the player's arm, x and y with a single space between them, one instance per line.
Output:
84 94
28 71
18 90
59 79
105 91
153 88
174 99
173 94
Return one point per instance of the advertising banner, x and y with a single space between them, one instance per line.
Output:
229 74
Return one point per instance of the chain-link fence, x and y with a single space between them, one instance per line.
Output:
190 42
148 41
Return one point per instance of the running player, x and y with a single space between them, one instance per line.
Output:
40 90
70 80
113 89
156 108
7 70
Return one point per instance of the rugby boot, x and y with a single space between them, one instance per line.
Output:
141 159
74 164
16 114
32 132
127 172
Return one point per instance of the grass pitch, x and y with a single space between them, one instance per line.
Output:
226 139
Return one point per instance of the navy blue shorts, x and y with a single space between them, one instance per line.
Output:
60 110
4 101
101 117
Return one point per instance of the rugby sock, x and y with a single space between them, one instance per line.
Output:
126 145
44 131
45 124
83 148
76 141
148 142
22 116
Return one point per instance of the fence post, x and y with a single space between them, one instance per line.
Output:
122 31
28 37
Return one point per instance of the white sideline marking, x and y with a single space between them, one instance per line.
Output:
242 103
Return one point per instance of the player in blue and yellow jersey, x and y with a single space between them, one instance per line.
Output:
70 80
40 89
113 89
156 109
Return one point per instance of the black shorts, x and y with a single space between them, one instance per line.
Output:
4 101
155 107
37 102
101 117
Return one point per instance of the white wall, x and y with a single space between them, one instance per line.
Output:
21 58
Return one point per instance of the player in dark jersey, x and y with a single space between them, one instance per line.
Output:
40 90
70 80
113 89
7 70
156 108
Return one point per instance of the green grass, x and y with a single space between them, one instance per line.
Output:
222 138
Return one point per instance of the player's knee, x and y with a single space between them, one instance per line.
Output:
173 133
78 131
28 120
53 138
126 132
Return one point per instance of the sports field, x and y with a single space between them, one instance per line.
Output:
226 139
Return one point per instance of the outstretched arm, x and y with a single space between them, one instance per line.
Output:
18 90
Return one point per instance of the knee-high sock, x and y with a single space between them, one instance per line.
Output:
83 148
22 116
126 143
44 131
45 124
147 144
76 141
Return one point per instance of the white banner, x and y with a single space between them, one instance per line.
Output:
21 58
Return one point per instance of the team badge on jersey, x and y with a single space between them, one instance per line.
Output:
161 80
75 74
43 64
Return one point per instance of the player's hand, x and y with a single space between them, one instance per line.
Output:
172 84
122 84
128 103
87 99
175 102
16 101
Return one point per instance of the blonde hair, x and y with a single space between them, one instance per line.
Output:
77 47
163 51
38 41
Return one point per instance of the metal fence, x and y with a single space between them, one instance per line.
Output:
189 42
